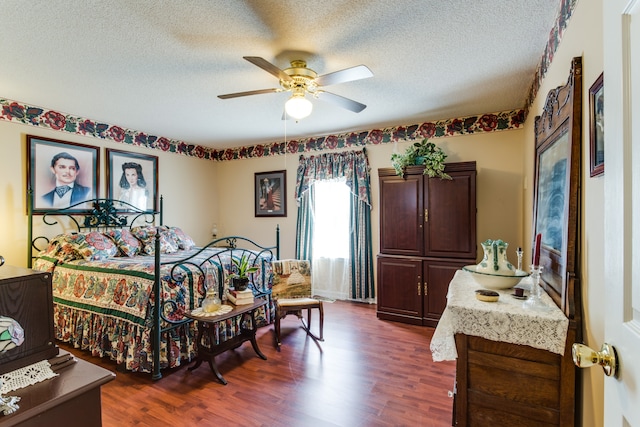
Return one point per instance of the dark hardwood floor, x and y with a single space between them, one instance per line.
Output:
367 372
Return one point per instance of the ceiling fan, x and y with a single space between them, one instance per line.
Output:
300 81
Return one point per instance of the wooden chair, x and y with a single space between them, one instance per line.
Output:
292 294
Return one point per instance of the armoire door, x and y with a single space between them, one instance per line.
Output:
400 289
401 227
437 273
450 213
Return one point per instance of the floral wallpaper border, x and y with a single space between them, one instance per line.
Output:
555 36
18 112
15 111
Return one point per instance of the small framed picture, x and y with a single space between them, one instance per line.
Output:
133 178
596 125
271 193
61 174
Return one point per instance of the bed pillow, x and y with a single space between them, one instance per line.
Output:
147 236
183 239
63 247
128 245
96 247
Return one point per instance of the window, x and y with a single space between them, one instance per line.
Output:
331 220
331 265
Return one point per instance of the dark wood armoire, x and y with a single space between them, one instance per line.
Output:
427 232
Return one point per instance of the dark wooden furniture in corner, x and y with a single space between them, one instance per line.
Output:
26 297
72 399
427 232
208 350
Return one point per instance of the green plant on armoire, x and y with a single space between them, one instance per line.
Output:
421 153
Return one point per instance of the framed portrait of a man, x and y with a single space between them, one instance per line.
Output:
132 178
61 174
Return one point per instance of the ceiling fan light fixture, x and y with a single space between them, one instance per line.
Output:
298 107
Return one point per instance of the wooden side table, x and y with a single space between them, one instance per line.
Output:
206 325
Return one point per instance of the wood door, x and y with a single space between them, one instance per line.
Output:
622 208
450 213
401 231
400 289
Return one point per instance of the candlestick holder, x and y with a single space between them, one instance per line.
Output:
534 302
519 254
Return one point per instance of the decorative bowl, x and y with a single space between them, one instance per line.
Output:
495 281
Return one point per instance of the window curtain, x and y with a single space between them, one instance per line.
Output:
353 166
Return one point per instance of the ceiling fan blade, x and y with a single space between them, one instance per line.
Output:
251 92
341 101
347 75
268 67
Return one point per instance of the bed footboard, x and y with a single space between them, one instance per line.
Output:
214 263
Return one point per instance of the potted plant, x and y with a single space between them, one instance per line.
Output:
421 153
240 277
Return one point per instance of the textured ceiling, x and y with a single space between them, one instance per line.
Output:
157 66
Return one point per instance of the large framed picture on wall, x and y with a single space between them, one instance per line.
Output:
61 174
557 182
133 178
271 193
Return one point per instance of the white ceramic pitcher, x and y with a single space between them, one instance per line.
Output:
495 259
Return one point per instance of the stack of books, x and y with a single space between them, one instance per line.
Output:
240 297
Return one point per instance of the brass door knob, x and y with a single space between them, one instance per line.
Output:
585 357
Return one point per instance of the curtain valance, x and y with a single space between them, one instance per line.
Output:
352 165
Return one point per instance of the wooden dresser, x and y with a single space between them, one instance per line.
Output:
513 364
72 399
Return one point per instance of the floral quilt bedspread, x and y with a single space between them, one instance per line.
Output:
106 307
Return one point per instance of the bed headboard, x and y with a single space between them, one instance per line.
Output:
100 214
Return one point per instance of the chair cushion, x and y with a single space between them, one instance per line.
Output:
297 302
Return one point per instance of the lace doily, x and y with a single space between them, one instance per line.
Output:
26 376
224 309
505 320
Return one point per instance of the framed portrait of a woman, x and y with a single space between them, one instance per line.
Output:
132 178
271 193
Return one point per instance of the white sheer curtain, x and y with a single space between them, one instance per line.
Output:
331 273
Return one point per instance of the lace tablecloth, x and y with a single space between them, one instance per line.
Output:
26 376
505 320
